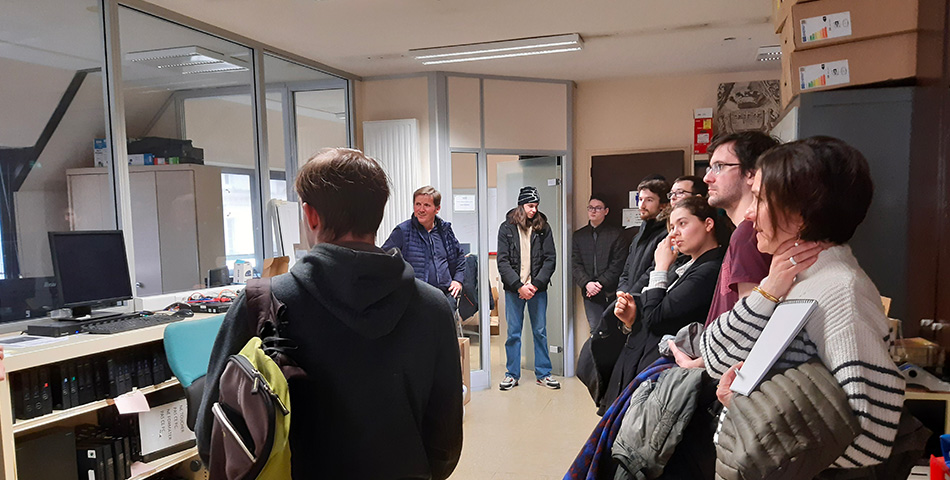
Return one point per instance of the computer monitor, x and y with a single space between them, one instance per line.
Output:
91 270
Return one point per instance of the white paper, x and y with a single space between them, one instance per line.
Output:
824 74
132 402
464 203
786 321
631 217
703 112
633 199
164 426
825 27
24 341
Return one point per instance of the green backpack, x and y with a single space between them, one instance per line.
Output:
251 430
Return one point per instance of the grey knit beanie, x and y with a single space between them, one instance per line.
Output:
528 195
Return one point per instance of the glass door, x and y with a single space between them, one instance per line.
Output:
462 207
510 173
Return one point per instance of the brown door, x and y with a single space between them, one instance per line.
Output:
614 176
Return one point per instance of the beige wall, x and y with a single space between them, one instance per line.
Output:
636 114
396 99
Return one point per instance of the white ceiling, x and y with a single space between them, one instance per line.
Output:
622 37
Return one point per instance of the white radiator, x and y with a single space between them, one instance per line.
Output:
395 144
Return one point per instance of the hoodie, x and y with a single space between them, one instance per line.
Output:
382 397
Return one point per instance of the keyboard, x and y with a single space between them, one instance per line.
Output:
124 324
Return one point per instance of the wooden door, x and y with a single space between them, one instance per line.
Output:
615 176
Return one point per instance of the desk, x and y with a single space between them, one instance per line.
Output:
935 396
74 346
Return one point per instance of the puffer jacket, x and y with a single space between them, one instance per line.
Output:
654 423
792 427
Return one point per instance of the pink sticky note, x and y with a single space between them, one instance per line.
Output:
132 402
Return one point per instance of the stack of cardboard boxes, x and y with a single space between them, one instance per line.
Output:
829 44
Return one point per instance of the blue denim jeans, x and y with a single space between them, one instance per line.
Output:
514 315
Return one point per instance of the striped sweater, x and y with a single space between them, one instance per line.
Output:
846 331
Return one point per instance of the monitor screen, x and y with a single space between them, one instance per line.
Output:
91 267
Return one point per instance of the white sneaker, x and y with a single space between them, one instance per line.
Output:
508 383
549 382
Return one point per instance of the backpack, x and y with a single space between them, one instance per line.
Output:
251 428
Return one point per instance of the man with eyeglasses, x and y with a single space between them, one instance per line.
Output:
597 259
729 177
686 186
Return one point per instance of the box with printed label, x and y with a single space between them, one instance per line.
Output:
781 10
100 154
870 61
832 22
142 159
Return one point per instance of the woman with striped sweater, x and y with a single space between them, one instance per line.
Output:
810 196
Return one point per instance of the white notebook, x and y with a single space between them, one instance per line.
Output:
786 321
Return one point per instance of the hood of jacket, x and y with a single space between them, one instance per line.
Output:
364 287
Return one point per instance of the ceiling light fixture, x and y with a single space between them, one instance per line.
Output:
502 49
769 53
187 60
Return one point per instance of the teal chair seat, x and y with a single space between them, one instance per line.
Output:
188 347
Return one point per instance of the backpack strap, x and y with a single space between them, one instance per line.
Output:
266 316
262 306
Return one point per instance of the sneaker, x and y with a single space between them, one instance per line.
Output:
508 383
549 382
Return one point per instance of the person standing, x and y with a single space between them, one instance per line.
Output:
428 244
651 199
382 397
526 261
597 260
729 176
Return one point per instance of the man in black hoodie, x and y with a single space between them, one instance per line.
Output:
383 394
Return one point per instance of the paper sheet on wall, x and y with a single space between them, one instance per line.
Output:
286 221
631 217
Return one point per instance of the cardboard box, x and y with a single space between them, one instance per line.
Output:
781 10
846 65
142 159
833 22
465 356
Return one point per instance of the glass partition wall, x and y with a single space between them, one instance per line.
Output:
198 116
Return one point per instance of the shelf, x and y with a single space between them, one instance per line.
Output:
22 426
144 470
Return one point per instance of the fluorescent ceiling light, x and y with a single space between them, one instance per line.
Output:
187 60
502 49
768 53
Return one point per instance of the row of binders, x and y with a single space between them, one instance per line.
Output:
40 390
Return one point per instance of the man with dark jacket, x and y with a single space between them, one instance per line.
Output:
382 397
597 260
651 198
428 243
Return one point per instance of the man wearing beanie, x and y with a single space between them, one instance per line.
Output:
526 261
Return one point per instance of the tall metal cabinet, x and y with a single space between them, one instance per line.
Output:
896 129
177 221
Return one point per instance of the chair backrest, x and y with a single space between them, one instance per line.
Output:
188 347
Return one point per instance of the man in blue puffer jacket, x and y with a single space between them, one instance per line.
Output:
428 244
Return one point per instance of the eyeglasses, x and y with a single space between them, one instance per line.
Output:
716 168
598 208
678 193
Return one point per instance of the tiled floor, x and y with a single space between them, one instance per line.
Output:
527 433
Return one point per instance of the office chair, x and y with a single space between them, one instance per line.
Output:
188 350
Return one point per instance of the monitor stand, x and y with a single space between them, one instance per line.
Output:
85 313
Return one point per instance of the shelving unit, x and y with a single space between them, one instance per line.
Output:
23 426
75 346
144 470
